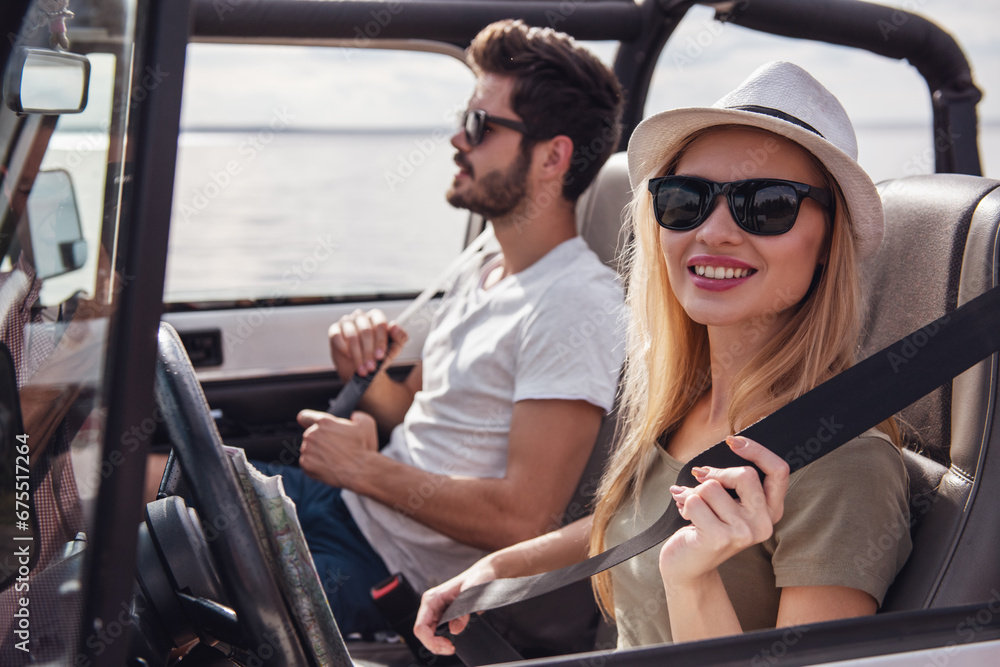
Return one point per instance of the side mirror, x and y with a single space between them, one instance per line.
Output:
57 243
47 82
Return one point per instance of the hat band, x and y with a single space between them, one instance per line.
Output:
775 113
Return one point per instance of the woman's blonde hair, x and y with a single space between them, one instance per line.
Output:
668 365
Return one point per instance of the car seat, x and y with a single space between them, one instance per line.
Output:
567 620
940 250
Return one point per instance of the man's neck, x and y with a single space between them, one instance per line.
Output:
531 233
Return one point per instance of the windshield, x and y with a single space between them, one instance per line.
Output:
67 89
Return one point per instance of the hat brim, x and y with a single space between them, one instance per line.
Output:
659 137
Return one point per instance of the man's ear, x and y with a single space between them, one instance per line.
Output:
554 156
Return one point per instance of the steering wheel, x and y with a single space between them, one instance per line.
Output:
249 584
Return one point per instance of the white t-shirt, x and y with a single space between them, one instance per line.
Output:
552 331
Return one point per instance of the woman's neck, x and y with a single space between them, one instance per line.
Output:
707 422
732 348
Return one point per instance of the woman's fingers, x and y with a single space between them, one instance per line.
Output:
432 606
744 480
456 626
775 471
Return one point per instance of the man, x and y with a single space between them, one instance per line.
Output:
491 432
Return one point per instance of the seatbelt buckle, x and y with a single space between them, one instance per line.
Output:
479 643
398 603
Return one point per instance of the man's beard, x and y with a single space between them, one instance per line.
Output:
497 193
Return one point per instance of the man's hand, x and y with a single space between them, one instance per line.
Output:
334 450
360 340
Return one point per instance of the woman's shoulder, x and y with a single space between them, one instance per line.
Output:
870 458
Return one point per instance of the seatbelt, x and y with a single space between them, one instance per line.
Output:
350 394
802 431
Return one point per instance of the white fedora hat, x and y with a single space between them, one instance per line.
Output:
784 99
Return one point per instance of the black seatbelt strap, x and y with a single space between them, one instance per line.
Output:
802 431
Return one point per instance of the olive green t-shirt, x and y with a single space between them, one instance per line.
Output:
846 523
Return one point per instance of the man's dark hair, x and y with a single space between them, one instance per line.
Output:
560 88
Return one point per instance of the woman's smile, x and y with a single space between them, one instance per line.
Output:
719 273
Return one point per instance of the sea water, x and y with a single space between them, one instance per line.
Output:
341 213
268 215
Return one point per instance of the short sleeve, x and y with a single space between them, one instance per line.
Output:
572 345
846 520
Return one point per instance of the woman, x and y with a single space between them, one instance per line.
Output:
749 220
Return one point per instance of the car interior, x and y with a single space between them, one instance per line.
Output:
199 546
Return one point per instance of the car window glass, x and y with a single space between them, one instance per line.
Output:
314 172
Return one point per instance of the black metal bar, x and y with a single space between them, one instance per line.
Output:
636 59
162 27
12 13
893 33
943 631
440 20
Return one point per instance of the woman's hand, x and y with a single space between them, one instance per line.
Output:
434 602
722 526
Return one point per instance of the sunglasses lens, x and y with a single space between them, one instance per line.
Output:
473 126
768 209
679 203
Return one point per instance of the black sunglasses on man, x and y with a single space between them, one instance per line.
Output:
474 123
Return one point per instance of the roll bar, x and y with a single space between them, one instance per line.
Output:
440 20
893 33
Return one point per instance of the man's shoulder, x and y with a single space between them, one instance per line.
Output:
579 270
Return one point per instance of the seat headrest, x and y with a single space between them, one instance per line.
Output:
600 210
915 277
